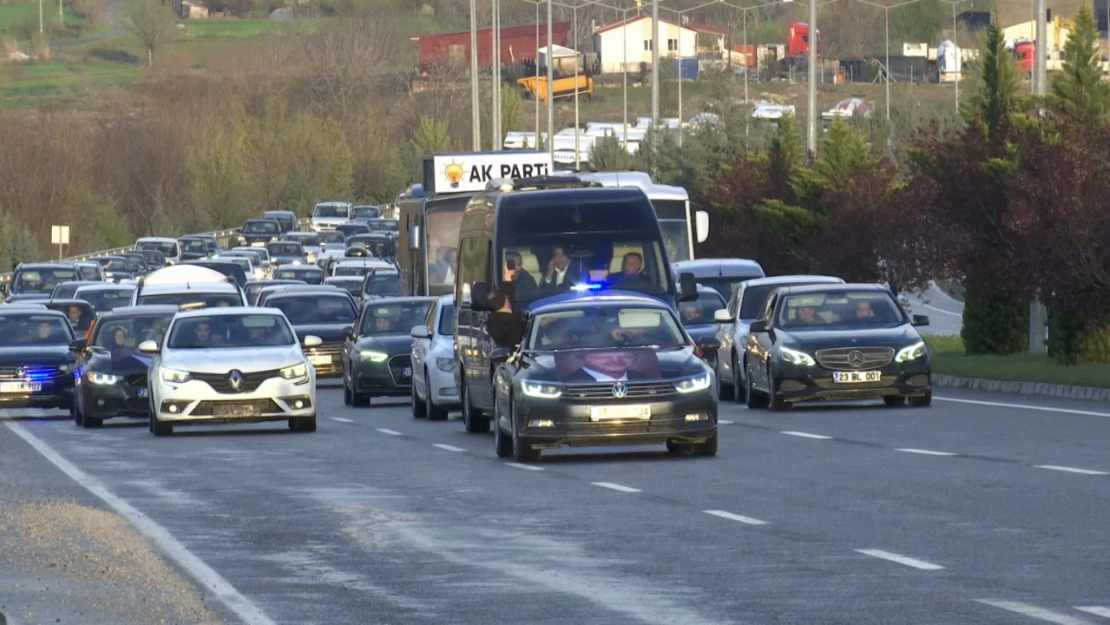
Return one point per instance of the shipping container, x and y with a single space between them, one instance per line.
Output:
518 44
686 69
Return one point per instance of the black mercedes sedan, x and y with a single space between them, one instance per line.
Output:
110 372
36 364
377 356
603 370
326 313
836 342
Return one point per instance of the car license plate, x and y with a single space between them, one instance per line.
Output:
20 387
236 410
608 413
319 360
857 377
142 393
258 244
406 372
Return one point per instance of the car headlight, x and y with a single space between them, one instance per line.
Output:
371 356
694 384
102 378
913 352
542 390
175 377
445 364
295 372
796 357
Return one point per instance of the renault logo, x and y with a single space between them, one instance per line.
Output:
855 358
235 379
619 390
21 372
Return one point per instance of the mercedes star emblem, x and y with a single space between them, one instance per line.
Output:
21 372
855 358
235 379
619 390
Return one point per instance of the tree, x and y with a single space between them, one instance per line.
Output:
994 94
152 22
1078 92
430 136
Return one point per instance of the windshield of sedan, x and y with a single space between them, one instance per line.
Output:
229 331
137 264
125 333
194 246
189 300
839 309
307 274
383 283
605 326
43 280
331 236
396 318
153 257
103 300
284 249
261 227
168 248
327 309
89 272
371 212
32 330
701 312
331 211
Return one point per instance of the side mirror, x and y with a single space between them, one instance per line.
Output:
312 341
688 288
78 345
349 332
421 332
3 289
722 316
701 225
148 347
414 238
920 320
479 296
499 355
709 345
758 327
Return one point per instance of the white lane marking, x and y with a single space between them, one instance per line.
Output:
808 435
623 489
390 432
342 420
735 517
893 557
925 452
724 422
205 575
1033 611
1097 610
1052 467
998 404
939 310
527 467
448 447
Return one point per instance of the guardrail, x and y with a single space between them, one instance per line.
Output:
223 235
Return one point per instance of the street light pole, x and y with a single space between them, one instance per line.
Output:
624 71
577 128
811 95
681 27
537 75
1040 48
654 72
475 115
550 85
886 70
959 57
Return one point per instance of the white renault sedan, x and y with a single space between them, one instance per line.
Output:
231 365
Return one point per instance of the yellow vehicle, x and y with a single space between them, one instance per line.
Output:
564 87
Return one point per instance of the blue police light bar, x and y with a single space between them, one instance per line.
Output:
586 287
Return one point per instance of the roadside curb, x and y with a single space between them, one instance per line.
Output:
1066 391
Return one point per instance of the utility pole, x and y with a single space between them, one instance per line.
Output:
40 18
498 137
1040 48
811 91
475 113
61 15
550 85
654 74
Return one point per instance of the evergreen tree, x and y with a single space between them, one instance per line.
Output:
995 94
1078 92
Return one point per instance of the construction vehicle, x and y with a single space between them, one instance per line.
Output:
1025 50
564 87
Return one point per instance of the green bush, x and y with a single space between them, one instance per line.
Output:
995 322
1065 333
945 344
1094 346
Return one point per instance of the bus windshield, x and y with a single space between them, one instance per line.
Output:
675 227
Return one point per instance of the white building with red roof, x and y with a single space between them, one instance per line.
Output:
627 43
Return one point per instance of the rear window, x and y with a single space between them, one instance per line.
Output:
189 301
315 310
43 280
104 300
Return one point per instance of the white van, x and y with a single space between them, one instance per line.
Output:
169 247
328 215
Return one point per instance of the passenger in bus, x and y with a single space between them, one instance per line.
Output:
562 272
443 270
632 272
515 272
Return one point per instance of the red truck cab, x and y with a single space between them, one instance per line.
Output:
1025 53
797 41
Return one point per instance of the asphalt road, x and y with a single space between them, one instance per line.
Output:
984 509
946 314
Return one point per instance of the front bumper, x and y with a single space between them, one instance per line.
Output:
798 384
56 392
274 399
124 399
445 392
392 377
571 423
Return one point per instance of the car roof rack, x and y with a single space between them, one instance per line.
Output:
537 183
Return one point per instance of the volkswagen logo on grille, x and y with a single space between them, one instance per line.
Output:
235 379
619 390
21 372
855 358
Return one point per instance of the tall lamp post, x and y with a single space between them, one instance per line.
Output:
681 26
475 101
886 15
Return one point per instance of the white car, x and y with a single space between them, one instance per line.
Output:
434 390
169 247
734 324
231 365
328 215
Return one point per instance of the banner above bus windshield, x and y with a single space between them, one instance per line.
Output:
468 172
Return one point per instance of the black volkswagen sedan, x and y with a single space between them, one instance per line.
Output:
325 313
36 364
377 357
110 372
603 370
836 342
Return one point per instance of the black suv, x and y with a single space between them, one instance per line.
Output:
258 232
33 281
